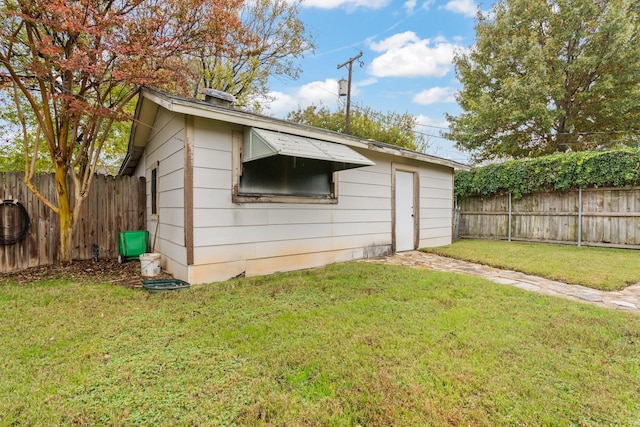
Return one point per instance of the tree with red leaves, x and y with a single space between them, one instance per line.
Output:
74 65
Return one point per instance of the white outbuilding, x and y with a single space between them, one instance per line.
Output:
233 193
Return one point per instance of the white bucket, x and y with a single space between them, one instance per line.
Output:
150 264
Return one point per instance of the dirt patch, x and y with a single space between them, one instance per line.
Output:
126 274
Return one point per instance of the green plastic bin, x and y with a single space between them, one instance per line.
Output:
132 245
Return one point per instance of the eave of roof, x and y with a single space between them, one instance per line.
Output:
150 100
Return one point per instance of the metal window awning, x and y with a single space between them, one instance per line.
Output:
261 143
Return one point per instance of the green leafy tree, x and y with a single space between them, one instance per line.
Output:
267 44
72 67
390 128
12 151
550 75
13 154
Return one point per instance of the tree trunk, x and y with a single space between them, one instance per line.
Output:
65 213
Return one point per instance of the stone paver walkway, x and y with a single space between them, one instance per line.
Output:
627 299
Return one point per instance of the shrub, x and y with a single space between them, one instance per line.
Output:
556 172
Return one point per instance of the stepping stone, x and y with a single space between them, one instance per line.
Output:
624 304
528 286
503 281
586 296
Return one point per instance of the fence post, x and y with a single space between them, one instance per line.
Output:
456 219
580 216
510 214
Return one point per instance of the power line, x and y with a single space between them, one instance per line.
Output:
433 126
432 136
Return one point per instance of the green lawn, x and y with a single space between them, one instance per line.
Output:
599 268
350 344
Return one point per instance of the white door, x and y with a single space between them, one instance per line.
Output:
405 212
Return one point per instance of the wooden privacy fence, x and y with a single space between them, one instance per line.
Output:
113 205
592 217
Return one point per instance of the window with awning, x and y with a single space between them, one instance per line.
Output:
278 164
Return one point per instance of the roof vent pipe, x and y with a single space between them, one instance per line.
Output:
218 97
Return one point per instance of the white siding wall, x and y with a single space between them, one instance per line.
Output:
436 206
261 238
165 148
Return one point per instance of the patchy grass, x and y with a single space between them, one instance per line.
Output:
598 268
349 344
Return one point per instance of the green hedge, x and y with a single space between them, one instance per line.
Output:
557 172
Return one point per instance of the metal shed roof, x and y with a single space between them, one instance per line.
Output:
262 143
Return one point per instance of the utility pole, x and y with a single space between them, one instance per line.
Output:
350 64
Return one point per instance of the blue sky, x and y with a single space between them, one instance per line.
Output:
407 46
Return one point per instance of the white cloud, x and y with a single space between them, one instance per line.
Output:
279 104
410 5
435 95
318 92
395 41
349 4
364 83
406 55
465 7
427 4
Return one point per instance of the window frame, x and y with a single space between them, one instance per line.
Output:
239 197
